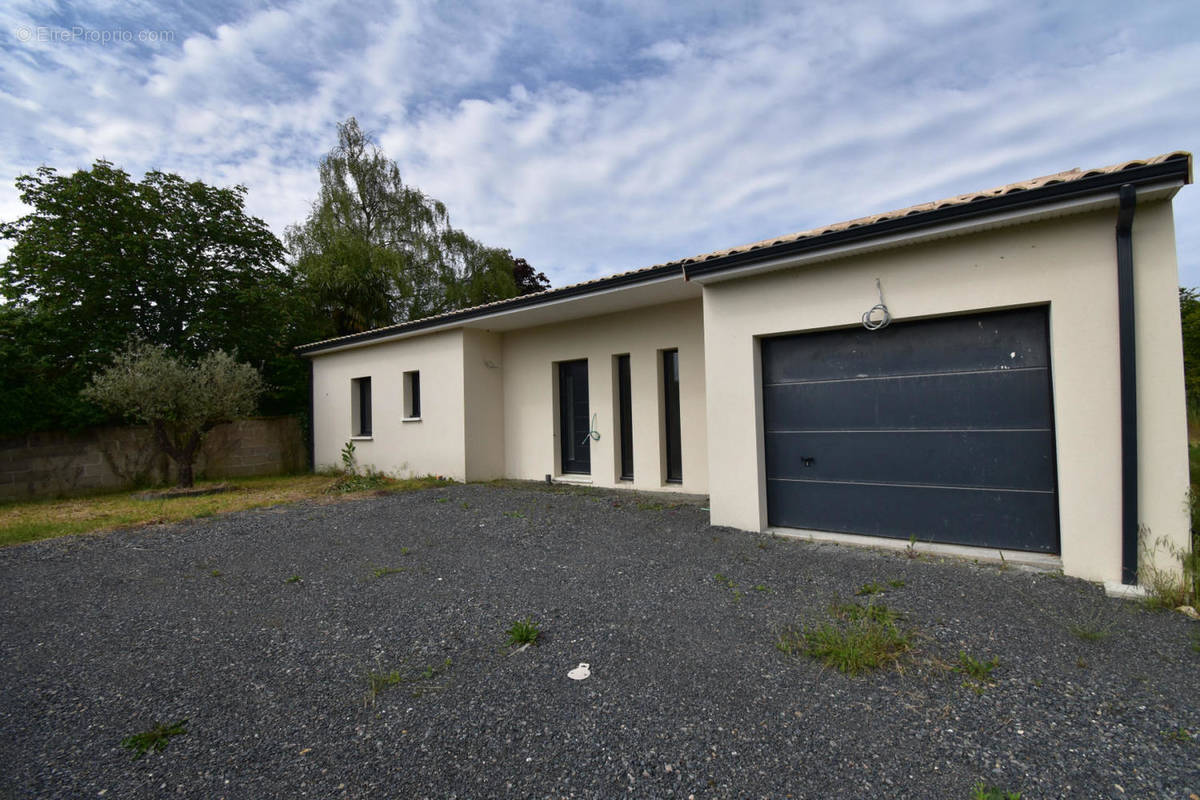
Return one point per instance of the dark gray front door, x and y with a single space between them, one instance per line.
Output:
940 429
574 425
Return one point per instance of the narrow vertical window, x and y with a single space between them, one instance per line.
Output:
625 410
412 395
361 397
673 437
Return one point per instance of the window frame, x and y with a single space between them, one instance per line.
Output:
361 417
412 396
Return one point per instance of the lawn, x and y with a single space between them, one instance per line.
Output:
44 519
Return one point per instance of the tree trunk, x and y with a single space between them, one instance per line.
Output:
186 479
186 458
184 454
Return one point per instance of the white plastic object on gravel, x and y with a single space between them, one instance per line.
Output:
580 672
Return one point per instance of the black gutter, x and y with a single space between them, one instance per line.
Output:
1172 169
1128 352
525 301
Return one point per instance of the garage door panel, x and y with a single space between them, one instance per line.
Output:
1000 399
988 459
940 429
1014 339
986 518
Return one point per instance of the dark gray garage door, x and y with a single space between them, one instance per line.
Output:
940 429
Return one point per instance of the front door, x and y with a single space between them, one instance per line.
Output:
575 428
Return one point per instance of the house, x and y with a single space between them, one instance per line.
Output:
1025 394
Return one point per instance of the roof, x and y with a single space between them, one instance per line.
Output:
1072 183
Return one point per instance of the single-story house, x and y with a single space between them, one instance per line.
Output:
996 371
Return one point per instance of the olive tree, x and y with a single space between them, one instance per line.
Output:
180 400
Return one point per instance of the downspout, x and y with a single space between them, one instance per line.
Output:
1129 437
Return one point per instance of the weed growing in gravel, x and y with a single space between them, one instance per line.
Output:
731 584
442 500
873 587
293 579
861 638
896 583
154 739
216 573
876 612
1089 632
524 631
982 791
978 673
1168 587
379 681
515 514
383 572
1196 641
1180 735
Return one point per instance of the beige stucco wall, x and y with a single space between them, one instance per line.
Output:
1068 262
483 376
530 405
433 445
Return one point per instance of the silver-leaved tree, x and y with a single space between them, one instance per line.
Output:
180 400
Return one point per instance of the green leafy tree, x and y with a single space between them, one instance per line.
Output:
180 400
102 258
375 251
527 278
1189 314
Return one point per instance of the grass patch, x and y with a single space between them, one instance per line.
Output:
982 791
523 631
383 572
294 579
1088 632
154 739
1180 735
30 521
379 681
874 587
731 585
859 639
978 673
875 612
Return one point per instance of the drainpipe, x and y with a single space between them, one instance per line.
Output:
1129 437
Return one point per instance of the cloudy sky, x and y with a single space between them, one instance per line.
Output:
597 137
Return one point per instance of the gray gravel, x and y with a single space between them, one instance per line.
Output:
107 635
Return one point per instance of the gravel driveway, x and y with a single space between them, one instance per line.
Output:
262 628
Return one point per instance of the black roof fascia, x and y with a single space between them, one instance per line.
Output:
1172 169
525 301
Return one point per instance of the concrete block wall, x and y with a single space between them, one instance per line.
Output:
58 464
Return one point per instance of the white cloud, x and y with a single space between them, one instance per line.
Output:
593 141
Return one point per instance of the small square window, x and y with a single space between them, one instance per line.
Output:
360 396
412 395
